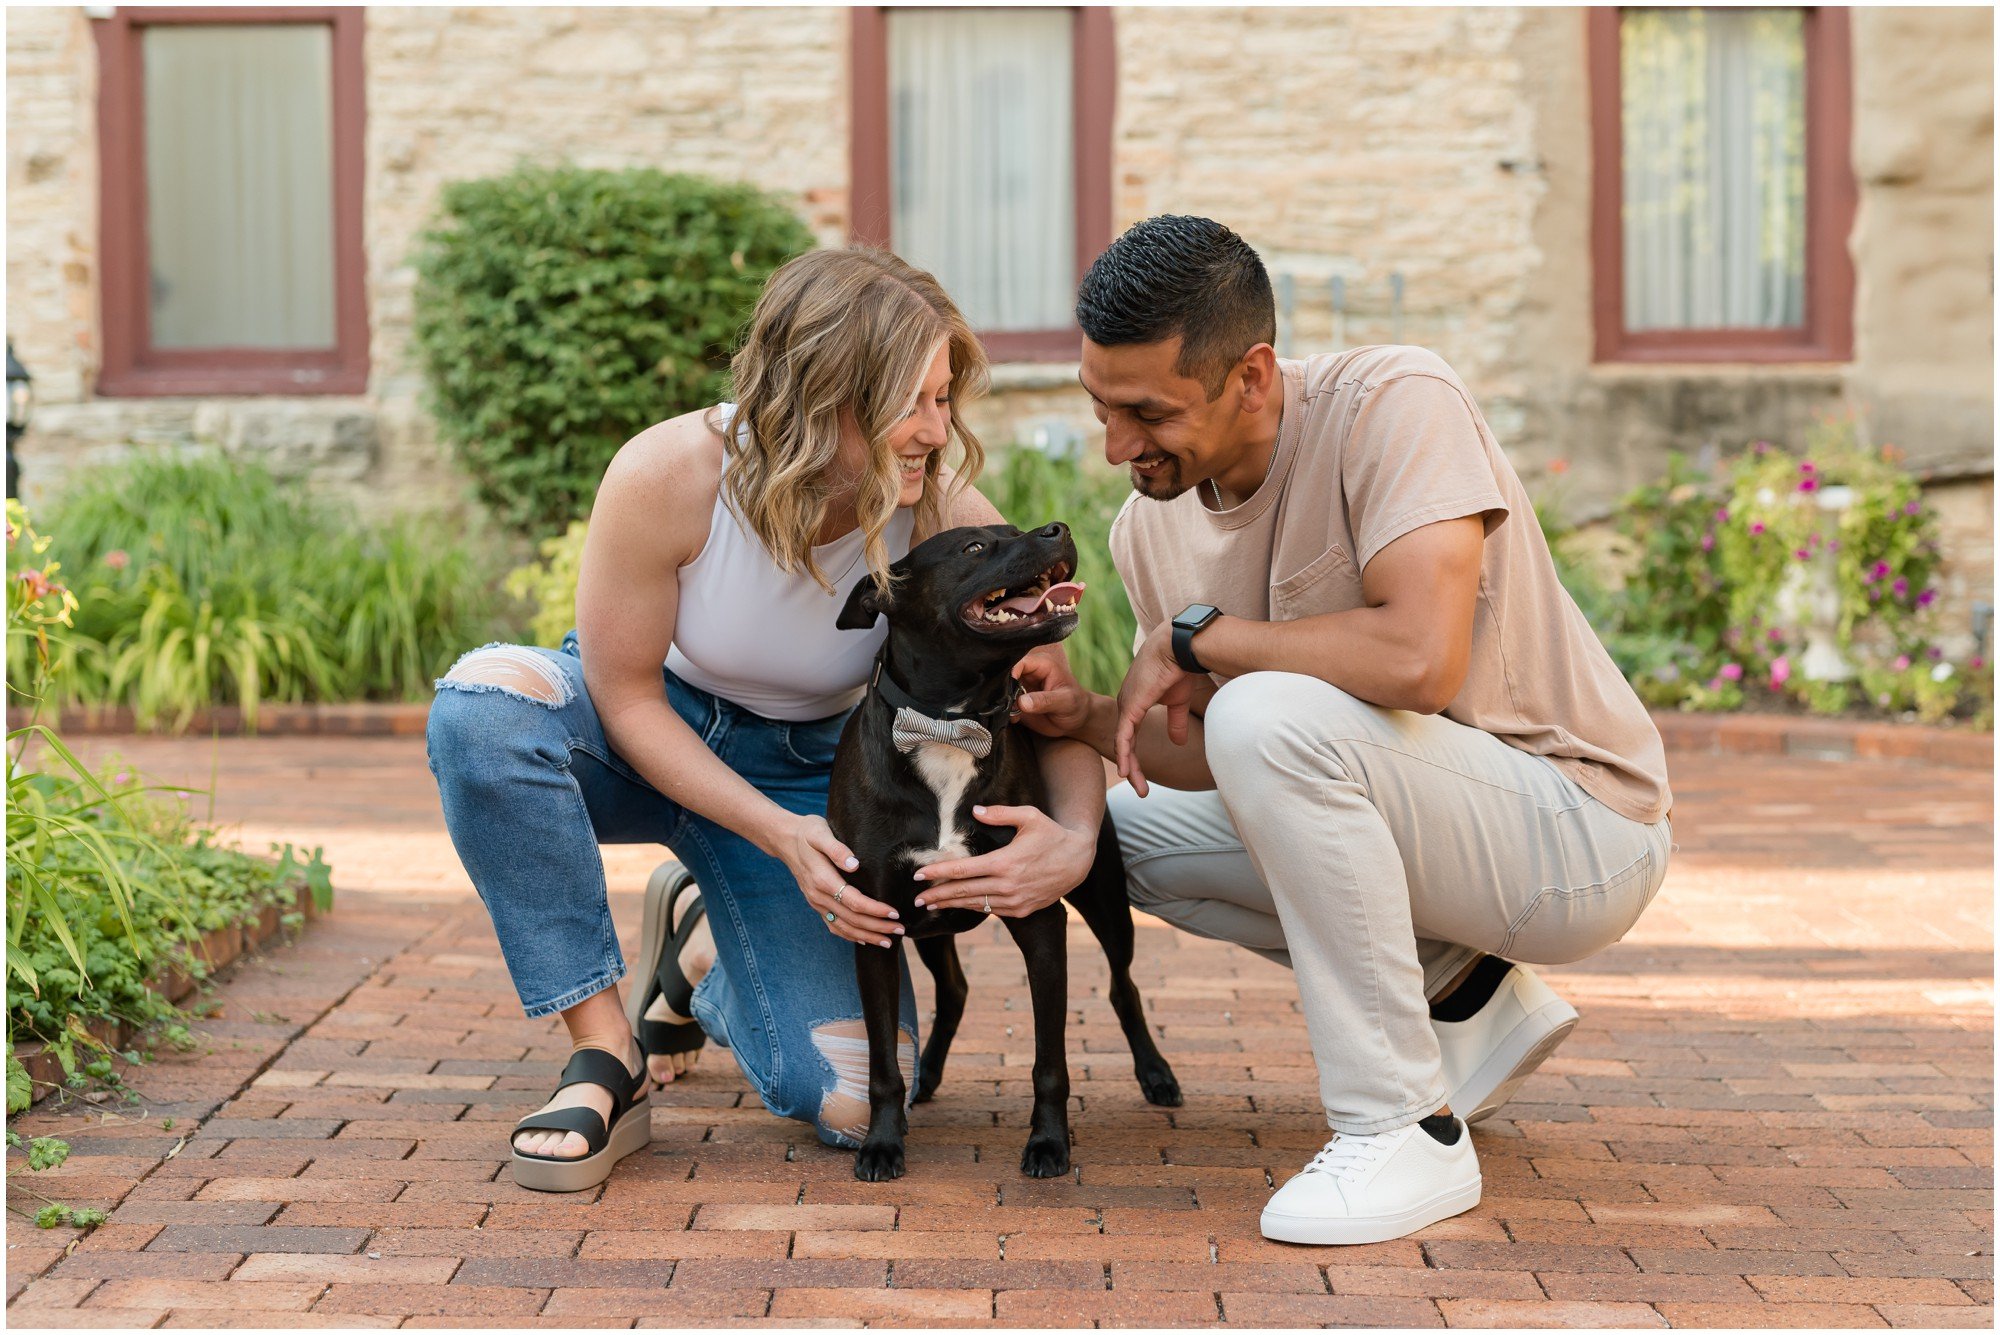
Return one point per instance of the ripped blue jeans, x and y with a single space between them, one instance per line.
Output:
531 788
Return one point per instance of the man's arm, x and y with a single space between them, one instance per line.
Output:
1409 648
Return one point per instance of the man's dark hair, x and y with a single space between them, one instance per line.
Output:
1177 274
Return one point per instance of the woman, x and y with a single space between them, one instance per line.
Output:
722 545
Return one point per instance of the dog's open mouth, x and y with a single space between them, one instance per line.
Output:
1049 595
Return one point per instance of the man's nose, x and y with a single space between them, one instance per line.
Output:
1121 445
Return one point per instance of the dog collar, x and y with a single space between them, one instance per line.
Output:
991 718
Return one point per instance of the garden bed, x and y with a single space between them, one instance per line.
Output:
217 949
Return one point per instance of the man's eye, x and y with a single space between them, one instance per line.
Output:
972 547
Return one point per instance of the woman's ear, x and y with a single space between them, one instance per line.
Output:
864 604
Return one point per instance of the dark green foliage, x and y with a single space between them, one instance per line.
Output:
560 310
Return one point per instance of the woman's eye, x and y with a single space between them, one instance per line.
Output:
972 547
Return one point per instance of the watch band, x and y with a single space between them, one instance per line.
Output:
1193 619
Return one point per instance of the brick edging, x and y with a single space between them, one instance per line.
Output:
1707 734
358 720
1824 739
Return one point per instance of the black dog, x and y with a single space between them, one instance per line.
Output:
930 740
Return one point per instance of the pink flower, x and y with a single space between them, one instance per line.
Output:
1761 448
1927 597
1781 672
1732 672
1976 663
1722 516
1757 528
1902 663
1708 542
1881 571
1774 635
117 558
36 583
1913 509
1806 466
1803 554
1809 484
1902 587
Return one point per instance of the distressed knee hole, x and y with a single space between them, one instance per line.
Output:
843 1111
511 670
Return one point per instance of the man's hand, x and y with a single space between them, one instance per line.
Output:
1044 862
1052 701
1154 678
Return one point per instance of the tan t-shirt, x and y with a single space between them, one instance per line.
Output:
1373 443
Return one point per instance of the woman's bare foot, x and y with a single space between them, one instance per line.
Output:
697 957
568 1144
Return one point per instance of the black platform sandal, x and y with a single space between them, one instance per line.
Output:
628 1130
661 948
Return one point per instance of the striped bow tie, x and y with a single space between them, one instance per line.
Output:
912 730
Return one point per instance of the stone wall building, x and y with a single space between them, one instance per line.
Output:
1447 166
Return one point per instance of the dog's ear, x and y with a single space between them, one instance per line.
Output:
864 604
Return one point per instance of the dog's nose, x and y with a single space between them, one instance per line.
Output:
1057 530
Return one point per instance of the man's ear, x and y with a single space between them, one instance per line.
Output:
864 604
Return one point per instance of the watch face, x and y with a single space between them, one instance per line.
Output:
1197 614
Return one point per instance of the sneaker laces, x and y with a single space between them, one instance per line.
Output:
1346 1157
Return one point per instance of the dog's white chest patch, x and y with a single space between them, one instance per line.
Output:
947 772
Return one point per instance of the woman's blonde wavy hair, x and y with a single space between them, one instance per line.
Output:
834 329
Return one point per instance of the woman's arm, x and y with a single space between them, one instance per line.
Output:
651 517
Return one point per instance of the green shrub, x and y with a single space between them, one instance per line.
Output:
559 310
1698 623
1030 488
202 580
549 585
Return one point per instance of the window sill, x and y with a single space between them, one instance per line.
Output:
187 381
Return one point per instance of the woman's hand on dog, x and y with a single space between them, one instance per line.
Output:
1045 861
816 858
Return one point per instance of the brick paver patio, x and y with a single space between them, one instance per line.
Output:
1776 1112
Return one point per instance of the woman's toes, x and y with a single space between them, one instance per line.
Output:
661 1069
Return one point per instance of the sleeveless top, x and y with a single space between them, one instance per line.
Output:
765 640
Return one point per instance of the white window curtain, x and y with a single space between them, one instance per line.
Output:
239 185
1714 151
982 188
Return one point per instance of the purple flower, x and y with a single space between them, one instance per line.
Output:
1881 571
1927 597
1761 448
1732 672
1935 653
1781 672
1803 554
1708 542
1833 546
1902 587
1809 484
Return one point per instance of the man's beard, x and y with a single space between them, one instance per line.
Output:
1164 485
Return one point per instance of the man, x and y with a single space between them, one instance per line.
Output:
1367 734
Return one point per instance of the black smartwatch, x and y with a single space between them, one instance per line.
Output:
1193 618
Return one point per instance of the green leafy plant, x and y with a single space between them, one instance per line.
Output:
39 1155
1031 488
202 580
108 880
549 585
560 310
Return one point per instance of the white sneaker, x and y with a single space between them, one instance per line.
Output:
1374 1188
1489 1053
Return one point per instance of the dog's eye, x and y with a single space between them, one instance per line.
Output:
972 547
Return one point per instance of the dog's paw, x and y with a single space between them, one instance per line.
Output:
1045 1157
878 1163
1160 1087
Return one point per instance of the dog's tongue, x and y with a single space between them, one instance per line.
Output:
1067 592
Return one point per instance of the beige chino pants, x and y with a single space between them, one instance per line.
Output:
1375 852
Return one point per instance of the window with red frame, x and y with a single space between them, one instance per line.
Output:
230 201
982 153
1724 192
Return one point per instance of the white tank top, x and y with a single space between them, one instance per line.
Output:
765 640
